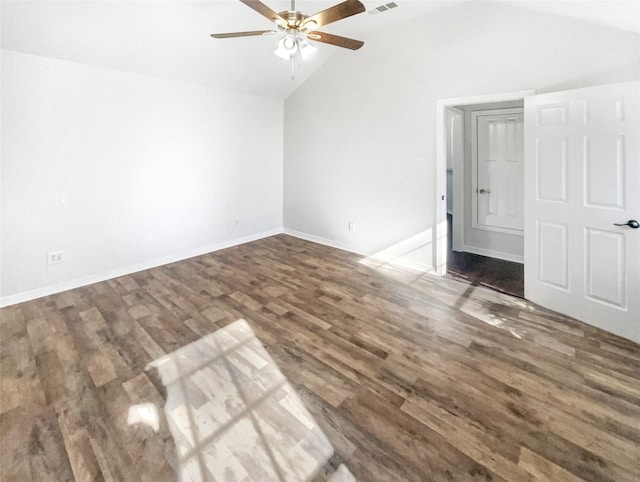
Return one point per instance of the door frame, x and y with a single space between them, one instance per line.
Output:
456 136
440 241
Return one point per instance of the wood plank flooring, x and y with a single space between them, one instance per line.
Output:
405 376
498 274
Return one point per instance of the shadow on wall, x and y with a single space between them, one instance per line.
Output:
234 416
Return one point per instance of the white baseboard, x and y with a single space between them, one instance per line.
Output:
154 263
494 254
413 265
404 263
317 239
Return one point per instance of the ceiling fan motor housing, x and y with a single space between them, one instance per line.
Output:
296 21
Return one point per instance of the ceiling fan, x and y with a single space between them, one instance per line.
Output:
299 28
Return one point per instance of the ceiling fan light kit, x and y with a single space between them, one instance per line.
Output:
299 29
295 48
286 48
294 44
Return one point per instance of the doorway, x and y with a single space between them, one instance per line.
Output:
580 199
482 146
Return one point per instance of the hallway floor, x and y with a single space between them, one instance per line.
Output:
498 274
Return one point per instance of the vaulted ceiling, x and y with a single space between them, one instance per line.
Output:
171 39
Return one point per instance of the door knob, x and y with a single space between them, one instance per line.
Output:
484 191
632 223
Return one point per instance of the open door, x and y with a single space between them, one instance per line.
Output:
582 193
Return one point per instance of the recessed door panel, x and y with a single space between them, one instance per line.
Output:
604 164
605 267
553 268
551 169
603 111
550 115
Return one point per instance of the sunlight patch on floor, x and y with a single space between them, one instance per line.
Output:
234 416
145 413
479 305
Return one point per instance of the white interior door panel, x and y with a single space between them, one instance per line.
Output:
582 171
499 172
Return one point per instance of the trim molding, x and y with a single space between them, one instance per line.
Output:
381 260
494 254
320 240
116 273
403 263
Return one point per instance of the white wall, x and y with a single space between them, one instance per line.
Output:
122 171
360 135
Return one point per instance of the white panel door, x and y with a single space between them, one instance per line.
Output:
582 171
499 171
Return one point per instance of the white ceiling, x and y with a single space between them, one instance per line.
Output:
171 39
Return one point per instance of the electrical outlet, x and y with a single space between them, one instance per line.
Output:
352 226
55 257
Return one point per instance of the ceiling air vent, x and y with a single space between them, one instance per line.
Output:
383 8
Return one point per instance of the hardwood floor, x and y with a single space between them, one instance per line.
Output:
497 274
345 368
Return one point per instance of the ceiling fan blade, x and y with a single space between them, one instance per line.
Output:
265 11
333 14
243 34
329 38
